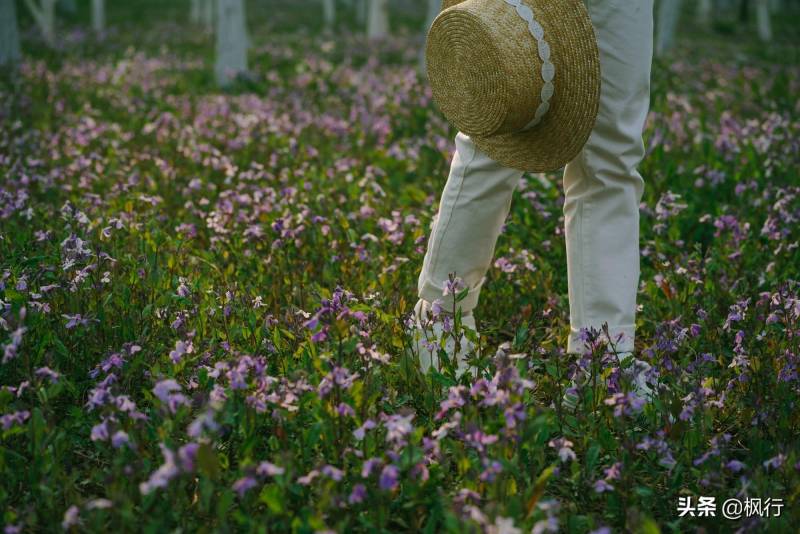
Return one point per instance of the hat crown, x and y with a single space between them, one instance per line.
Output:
485 68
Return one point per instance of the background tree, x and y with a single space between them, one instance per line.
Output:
378 19
231 41
704 11
44 14
329 13
207 13
9 34
361 11
763 20
666 21
99 16
434 6
67 7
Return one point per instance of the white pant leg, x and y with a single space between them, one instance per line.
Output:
602 186
474 205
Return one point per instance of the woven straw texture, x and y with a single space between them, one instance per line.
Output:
484 70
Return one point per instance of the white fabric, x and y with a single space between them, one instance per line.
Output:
547 70
602 186
433 331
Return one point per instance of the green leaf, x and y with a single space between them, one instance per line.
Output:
649 527
591 457
224 503
38 426
272 496
538 488
462 294
207 461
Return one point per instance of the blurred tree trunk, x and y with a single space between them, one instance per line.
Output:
744 10
361 11
434 6
329 13
763 21
194 12
44 13
9 35
666 22
704 12
99 16
68 7
378 19
207 13
231 41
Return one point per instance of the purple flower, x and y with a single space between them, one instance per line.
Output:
269 469
167 392
564 447
627 404
100 432
479 440
360 431
165 388
544 525
614 471
181 349
70 517
244 484
183 289
119 439
358 494
308 477
369 465
775 462
452 287
43 372
187 455
11 349
11 419
75 320
601 485
203 421
345 409
389 475
161 477
492 470
398 427
436 308
735 465
332 472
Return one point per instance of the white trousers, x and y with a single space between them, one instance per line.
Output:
602 193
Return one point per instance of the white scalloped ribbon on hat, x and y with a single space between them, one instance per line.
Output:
548 70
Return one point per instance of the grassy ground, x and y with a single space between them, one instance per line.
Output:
203 296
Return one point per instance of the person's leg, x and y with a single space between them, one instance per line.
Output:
473 207
602 185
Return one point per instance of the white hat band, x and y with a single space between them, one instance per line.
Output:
548 71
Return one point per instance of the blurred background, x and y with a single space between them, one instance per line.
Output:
233 33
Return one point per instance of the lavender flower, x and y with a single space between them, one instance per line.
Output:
389 476
243 485
162 476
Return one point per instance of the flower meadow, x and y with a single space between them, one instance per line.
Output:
205 300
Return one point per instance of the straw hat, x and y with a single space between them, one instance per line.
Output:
520 77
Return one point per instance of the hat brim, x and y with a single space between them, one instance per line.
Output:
566 127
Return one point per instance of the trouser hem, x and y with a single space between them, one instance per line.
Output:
430 292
